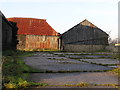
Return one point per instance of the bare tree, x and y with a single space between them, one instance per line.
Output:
113 41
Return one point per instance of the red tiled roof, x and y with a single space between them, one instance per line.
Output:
32 26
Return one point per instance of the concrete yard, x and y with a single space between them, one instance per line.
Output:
80 71
61 64
102 61
75 78
88 56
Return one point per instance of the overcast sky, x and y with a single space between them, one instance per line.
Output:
64 14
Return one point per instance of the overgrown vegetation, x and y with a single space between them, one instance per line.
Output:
85 84
113 85
99 63
73 71
15 72
117 70
82 84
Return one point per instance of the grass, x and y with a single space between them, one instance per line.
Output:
73 71
91 57
116 71
116 56
94 63
99 63
54 58
113 85
87 85
62 55
82 84
15 72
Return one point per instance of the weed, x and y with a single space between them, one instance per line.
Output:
97 63
10 85
116 71
85 84
62 55
68 85
22 83
82 84
49 71
13 69
38 84
53 58
113 85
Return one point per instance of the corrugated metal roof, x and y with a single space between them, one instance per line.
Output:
33 26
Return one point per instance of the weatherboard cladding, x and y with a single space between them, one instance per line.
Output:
85 34
87 23
32 26
9 29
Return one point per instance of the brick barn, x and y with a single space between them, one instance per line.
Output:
84 36
35 34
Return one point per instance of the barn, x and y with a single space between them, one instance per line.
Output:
35 34
9 34
84 36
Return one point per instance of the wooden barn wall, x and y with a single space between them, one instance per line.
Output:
6 35
85 35
41 42
83 48
22 40
88 24
9 34
14 35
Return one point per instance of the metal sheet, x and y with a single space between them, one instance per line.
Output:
32 26
41 42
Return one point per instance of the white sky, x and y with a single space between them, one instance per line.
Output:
64 14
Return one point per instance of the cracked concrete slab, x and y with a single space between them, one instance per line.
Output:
102 61
43 63
74 78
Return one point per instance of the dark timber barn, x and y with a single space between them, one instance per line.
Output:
9 34
85 36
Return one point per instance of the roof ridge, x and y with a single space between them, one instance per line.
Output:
88 22
25 18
